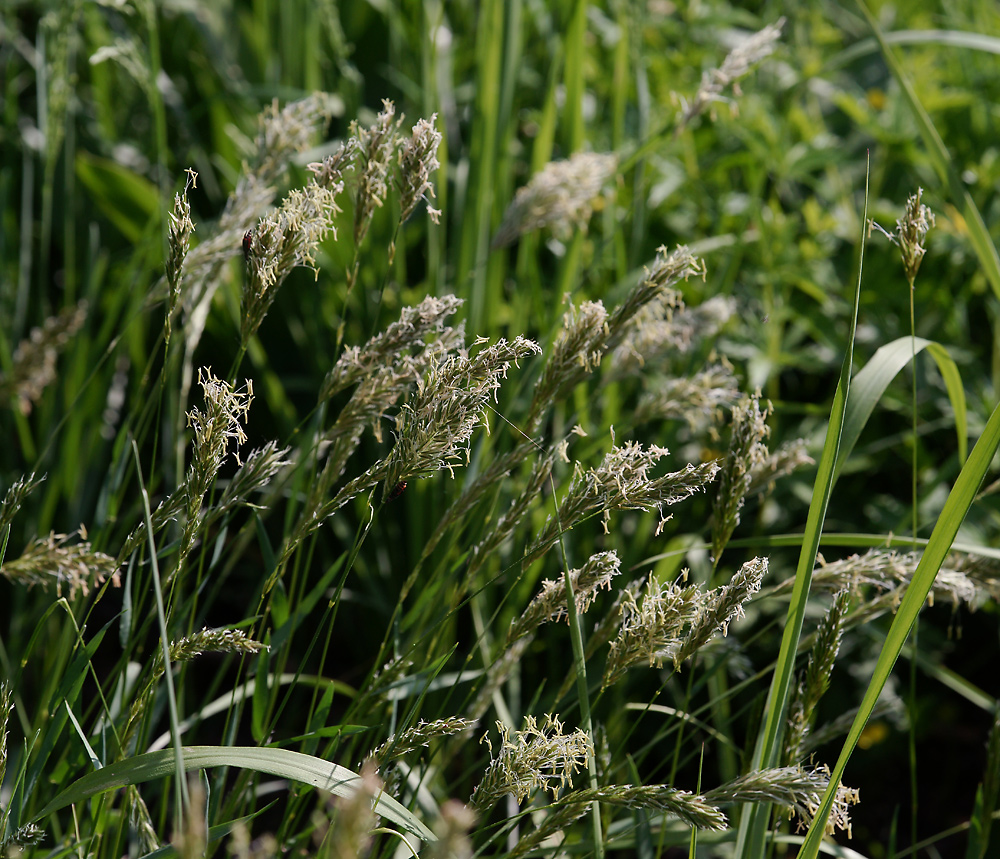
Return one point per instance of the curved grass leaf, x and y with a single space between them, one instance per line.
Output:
948 38
938 545
277 762
871 381
753 822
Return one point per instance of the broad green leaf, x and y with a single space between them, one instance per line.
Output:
872 380
277 762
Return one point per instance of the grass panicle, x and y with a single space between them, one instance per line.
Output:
492 282
34 361
671 622
533 758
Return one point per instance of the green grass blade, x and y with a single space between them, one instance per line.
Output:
959 500
277 762
753 823
872 380
978 233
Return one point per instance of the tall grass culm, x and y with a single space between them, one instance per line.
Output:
498 429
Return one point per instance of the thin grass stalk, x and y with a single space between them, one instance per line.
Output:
580 668
753 825
913 704
180 783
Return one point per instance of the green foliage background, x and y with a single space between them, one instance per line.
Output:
105 106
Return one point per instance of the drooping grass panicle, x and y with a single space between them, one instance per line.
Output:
590 331
557 818
14 498
620 482
666 270
212 641
672 622
283 132
650 628
887 573
665 328
215 430
796 789
560 196
333 169
54 560
535 757
721 607
696 811
791 456
255 473
577 351
698 399
384 370
746 450
812 685
28 835
433 429
182 650
33 367
419 736
139 818
252 476
283 239
737 64
550 602
416 327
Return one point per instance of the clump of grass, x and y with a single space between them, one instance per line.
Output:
334 616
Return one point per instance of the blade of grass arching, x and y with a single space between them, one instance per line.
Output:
872 380
282 763
938 545
753 822
978 233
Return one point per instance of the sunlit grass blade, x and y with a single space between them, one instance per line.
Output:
959 500
753 824
872 380
282 763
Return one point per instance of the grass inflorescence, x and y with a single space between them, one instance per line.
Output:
431 474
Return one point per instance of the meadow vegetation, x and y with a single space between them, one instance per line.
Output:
503 428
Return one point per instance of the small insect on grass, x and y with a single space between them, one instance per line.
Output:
247 244
397 490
